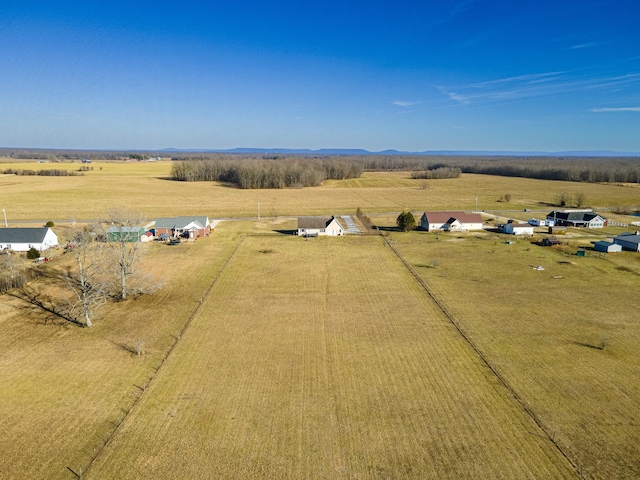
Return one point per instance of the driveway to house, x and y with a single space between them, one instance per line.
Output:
351 225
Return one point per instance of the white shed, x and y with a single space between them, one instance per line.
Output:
518 229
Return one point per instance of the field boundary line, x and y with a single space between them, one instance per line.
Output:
484 360
162 361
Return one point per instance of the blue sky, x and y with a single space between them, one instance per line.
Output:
406 75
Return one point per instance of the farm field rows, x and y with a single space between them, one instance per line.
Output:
64 389
325 359
145 187
565 339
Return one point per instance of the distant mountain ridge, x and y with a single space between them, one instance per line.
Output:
360 151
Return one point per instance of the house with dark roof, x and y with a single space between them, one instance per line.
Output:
629 241
319 226
450 221
23 239
184 226
577 218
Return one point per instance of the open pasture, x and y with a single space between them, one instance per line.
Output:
565 339
145 187
324 358
63 389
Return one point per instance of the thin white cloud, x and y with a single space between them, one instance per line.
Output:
404 104
536 85
459 98
616 109
584 45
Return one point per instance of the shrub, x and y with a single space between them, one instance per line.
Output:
49 224
33 253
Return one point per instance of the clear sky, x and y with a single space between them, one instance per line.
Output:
408 75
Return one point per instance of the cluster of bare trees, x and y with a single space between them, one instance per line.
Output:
51 172
438 173
278 173
104 265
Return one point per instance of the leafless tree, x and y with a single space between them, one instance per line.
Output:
563 199
124 229
86 279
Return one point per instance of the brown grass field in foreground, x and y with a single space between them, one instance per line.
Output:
325 359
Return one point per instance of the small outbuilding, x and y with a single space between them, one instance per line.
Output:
518 229
126 234
607 247
551 242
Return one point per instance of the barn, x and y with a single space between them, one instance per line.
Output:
628 241
607 247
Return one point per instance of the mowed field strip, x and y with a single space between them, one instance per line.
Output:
325 359
64 390
565 339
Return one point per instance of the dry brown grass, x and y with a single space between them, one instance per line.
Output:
325 359
65 389
145 187
564 338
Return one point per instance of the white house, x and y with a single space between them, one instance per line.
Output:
577 218
518 229
23 239
629 241
450 221
319 226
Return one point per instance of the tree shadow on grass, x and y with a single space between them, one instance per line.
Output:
36 304
387 229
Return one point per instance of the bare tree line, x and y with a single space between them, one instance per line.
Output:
284 171
280 173
51 172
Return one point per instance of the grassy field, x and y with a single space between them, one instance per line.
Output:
342 368
64 389
145 187
268 356
564 338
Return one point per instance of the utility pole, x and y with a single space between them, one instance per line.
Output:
476 204
258 210
5 218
